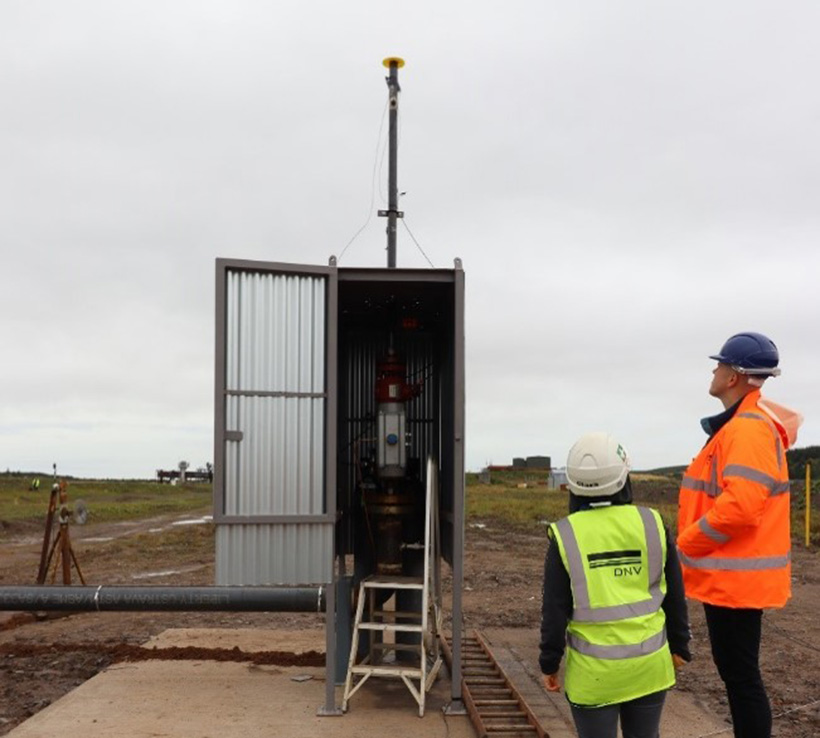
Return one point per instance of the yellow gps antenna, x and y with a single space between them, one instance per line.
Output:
393 63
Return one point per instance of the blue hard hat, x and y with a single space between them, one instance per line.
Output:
750 353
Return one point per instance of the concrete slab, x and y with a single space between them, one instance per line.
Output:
209 699
248 639
205 699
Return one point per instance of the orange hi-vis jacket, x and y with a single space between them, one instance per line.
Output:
733 520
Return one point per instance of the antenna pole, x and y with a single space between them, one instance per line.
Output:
392 212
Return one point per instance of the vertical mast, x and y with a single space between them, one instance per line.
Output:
393 63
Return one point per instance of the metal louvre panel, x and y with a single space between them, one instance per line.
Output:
272 554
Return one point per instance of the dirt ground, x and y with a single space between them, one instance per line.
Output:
791 636
44 656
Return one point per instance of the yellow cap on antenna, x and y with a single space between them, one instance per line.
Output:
390 59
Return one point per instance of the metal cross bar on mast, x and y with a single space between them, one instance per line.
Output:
393 63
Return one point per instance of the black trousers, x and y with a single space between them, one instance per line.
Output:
639 718
735 637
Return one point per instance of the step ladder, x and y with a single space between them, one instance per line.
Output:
382 624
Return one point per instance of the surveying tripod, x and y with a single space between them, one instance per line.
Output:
62 542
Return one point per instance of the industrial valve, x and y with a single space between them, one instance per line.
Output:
392 392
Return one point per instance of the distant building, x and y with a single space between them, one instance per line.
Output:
520 463
557 479
538 462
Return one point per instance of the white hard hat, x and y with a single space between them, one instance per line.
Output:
597 466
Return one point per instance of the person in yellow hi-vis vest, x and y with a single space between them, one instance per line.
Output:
613 599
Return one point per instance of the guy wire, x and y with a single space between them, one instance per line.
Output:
372 184
418 246
785 634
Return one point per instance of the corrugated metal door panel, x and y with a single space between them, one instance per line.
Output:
273 554
275 333
273 390
278 465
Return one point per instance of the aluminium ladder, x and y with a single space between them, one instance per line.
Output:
379 622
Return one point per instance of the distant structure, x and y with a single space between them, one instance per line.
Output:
519 463
557 479
538 462
205 474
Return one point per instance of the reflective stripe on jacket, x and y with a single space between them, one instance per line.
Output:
616 636
733 520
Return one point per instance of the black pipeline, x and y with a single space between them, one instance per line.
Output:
156 599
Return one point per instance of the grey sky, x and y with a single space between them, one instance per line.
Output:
627 184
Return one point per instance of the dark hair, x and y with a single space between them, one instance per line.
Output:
622 497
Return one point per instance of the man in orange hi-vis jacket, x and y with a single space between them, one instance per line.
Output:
733 522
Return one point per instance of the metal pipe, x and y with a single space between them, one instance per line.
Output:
392 187
157 599
392 212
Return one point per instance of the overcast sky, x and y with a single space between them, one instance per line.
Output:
627 185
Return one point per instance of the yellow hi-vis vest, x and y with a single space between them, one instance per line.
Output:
616 636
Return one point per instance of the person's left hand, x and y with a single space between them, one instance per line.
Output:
551 682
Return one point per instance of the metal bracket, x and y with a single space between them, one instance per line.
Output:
456 707
324 712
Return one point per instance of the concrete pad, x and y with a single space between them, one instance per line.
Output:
248 639
210 699
205 699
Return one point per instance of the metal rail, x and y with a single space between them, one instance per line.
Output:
495 706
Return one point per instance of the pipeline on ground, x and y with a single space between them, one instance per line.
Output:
104 598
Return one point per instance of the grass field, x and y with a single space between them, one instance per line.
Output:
105 500
522 499
518 499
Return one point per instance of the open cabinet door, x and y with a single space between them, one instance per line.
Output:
275 423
